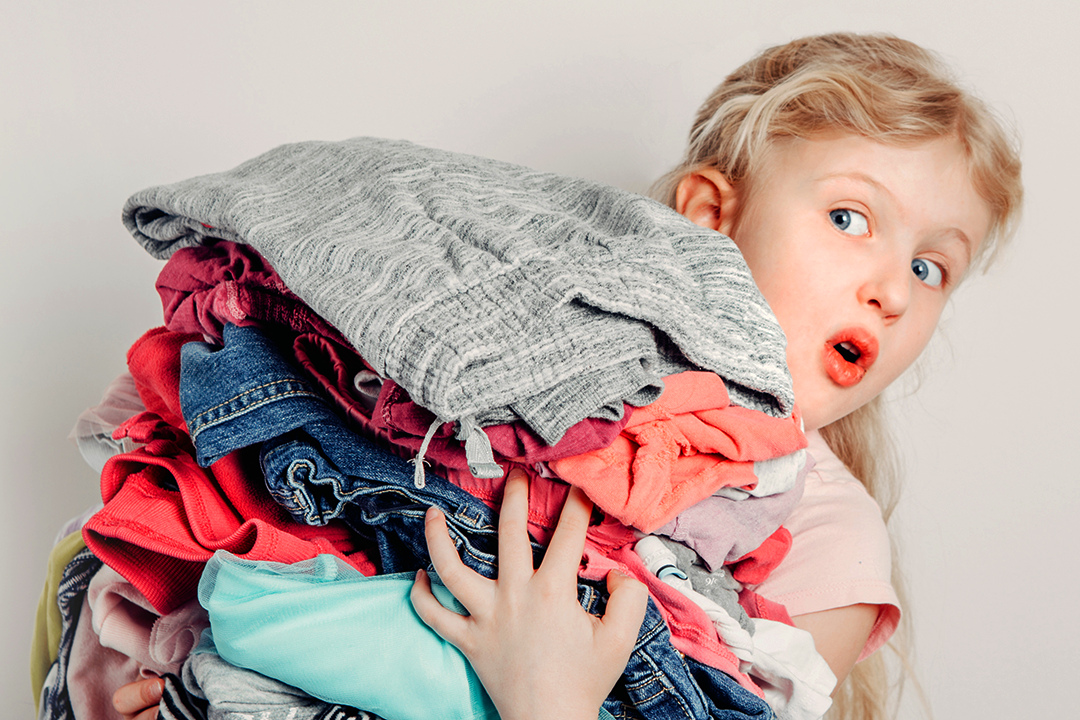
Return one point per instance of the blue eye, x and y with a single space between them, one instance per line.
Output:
927 271
849 221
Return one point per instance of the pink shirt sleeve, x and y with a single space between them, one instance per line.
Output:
840 553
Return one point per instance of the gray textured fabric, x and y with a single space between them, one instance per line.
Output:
719 586
233 693
484 288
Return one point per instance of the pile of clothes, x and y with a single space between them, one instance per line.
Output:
357 331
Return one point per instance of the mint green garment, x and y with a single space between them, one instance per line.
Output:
321 626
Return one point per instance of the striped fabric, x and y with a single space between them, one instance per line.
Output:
55 702
178 704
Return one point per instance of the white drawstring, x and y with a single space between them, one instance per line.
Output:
478 452
418 462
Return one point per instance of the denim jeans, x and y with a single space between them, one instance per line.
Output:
318 469
246 393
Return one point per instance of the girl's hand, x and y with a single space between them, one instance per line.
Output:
536 651
139 700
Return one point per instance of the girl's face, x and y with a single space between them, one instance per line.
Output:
857 246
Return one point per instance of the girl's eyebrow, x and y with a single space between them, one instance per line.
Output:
965 242
859 177
863 178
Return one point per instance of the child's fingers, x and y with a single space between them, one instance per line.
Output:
563 556
625 610
450 626
139 699
515 552
465 584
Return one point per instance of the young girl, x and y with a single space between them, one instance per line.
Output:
861 185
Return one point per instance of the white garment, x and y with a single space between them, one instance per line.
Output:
796 680
94 428
781 659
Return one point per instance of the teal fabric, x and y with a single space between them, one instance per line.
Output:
321 626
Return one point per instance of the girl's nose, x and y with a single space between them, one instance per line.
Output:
889 290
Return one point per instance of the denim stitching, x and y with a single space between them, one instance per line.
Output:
308 504
198 424
249 407
248 391
662 679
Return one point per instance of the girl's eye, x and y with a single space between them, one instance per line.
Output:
849 221
928 271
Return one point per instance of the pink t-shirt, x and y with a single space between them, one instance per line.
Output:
840 553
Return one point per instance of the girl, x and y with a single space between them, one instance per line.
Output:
861 185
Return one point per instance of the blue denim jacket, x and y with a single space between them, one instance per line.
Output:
247 393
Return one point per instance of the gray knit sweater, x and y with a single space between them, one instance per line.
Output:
487 289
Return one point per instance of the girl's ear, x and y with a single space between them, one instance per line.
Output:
707 199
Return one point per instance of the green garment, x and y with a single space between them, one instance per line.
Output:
45 644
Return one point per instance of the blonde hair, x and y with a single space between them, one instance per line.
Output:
876 86
889 90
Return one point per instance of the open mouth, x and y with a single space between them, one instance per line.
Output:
848 351
848 355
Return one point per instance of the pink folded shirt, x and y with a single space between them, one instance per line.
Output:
679 450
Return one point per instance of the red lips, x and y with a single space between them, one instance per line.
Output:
849 354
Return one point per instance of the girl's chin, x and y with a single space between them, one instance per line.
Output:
819 410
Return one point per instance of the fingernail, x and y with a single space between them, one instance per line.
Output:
516 474
432 513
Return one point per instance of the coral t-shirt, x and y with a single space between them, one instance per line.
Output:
840 553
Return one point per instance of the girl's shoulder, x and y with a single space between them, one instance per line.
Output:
841 553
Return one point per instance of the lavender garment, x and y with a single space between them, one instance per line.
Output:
124 620
95 672
721 530
413 252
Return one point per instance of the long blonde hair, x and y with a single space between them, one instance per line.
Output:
895 92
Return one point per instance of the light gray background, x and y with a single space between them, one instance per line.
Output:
98 100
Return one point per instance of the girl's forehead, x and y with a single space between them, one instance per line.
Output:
925 183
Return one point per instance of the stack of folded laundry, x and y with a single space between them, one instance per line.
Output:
356 331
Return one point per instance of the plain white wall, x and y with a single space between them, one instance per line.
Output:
98 100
